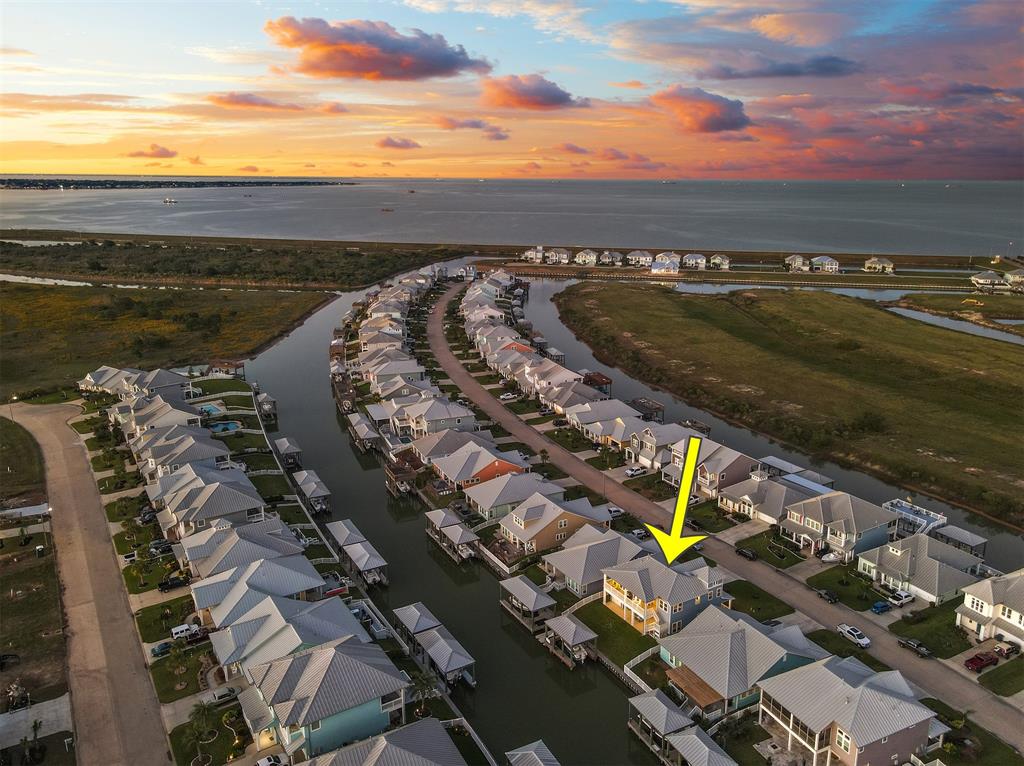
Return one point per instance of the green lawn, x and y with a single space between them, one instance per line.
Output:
983 310
541 420
259 461
155 622
32 620
524 406
119 482
142 538
509 446
985 747
935 627
608 460
1006 679
570 439
831 641
853 591
615 638
153 571
22 462
166 676
875 389
238 441
652 487
756 602
771 551
88 425
56 753
318 551
125 507
709 517
232 737
238 401
536 575
59 396
738 737
271 485
108 460
549 471
578 490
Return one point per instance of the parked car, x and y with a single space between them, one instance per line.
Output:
640 534
881 607
694 500
771 623
184 631
614 511
508 396
559 422
747 554
635 470
147 517
544 412
270 760
159 547
915 646
830 596
980 661
1006 650
130 556
161 650
854 634
221 695
171 583
831 557
901 598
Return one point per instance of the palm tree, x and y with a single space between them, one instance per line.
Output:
424 687
193 737
177 654
202 715
544 455
131 528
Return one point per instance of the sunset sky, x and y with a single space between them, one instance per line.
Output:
515 88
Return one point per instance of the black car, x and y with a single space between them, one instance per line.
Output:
830 597
915 646
173 582
560 423
747 554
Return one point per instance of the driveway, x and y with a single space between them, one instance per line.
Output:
988 710
115 710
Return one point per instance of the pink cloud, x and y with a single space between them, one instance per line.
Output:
154 150
630 84
333 107
390 142
490 131
697 111
249 169
528 91
369 50
197 160
612 154
805 29
235 100
569 148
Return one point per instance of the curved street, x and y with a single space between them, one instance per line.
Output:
985 708
114 707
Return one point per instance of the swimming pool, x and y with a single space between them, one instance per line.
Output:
210 409
231 425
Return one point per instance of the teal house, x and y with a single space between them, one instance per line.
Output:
718 658
323 698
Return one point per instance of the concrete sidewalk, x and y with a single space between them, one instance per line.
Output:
54 714
990 711
115 710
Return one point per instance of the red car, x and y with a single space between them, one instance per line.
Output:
980 661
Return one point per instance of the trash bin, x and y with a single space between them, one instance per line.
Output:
40 551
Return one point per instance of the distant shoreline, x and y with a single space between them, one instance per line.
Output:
156 182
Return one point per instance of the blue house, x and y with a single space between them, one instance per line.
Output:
719 657
323 698
840 522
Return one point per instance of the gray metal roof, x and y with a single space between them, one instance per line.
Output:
423 743
528 594
865 704
446 652
286 445
416 618
460 534
570 630
650 578
698 749
591 550
1006 589
310 484
364 556
223 546
937 568
441 518
511 488
533 754
345 532
662 713
315 684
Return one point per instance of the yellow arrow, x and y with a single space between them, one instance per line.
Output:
674 543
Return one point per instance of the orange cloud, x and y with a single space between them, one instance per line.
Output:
631 84
698 111
528 91
370 50
805 29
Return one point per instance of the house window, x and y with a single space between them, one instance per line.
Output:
315 726
560 535
1006 612
843 740
977 604
200 523
662 605
677 608
563 523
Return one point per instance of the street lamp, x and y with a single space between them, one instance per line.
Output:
14 398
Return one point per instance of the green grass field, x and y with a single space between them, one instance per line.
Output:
831 641
935 627
51 336
980 309
155 622
756 602
875 391
615 638
771 552
974 745
855 592
21 461
1006 679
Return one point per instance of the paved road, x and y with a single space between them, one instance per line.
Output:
116 713
963 693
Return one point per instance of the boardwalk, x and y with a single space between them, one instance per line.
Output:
115 710
963 693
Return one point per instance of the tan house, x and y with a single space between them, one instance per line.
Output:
539 523
717 465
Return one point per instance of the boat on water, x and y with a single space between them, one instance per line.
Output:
170 201
404 487
387 210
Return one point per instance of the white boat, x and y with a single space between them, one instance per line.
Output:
170 201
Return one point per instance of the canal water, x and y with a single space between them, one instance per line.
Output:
523 693
1005 549
959 325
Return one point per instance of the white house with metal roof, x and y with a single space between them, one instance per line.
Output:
224 545
994 607
929 569
579 566
842 522
533 754
421 743
445 656
497 497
